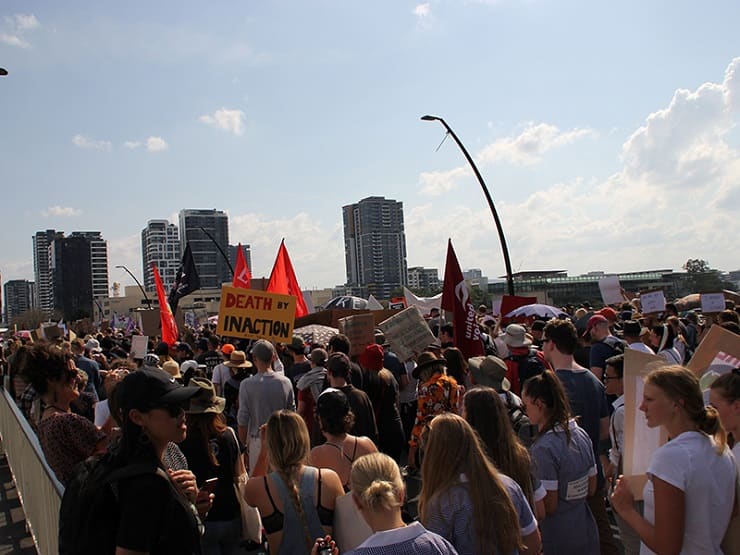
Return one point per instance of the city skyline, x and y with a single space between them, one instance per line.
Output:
280 113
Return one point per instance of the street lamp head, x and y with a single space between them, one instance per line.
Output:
122 267
3 71
429 118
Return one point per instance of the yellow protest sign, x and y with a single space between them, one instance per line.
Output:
254 314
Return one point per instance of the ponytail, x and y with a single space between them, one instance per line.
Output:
548 388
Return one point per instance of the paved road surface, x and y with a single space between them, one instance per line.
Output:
13 536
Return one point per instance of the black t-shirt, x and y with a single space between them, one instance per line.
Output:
154 518
361 406
225 447
211 359
296 370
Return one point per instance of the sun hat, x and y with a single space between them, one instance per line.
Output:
425 360
489 371
238 359
150 388
93 345
206 399
172 368
516 336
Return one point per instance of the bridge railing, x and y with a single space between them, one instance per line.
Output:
39 491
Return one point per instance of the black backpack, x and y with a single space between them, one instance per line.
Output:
89 513
616 344
529 365
523 427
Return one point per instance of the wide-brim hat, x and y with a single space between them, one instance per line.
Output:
427 360
238 359
206 399
516 336
489 371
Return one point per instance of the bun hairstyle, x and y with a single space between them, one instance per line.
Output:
376 481
682 386
548 388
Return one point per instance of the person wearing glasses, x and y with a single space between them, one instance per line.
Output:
66 438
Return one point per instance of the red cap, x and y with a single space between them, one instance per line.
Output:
594 321
227 349
609 313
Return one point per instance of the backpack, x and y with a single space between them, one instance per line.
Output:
523 427
88 516
616 344
531 364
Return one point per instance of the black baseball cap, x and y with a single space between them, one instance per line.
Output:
150 388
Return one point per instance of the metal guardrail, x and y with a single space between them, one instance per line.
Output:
39 491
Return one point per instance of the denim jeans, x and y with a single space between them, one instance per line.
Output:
222 537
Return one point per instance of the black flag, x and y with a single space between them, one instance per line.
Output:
187 279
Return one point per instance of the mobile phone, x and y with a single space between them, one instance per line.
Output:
209 485
323 548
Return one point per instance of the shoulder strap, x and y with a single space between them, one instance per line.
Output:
318 495
354 451
269 495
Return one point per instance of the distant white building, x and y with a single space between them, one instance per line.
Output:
160 244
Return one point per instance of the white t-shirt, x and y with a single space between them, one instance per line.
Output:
221 375
736 452
640 346
690 463
102 412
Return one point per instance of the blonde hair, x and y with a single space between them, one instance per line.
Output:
288 447
453 448
682 386
376 481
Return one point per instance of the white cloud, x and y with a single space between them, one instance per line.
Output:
677 196
61 211
527 148
15 28
83 142
422 10
314 266
228 120
132 144
156 144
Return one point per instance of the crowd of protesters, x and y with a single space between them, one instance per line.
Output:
518 451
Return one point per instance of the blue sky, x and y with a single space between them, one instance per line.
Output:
607 132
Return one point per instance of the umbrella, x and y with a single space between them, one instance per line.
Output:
541 310
316 333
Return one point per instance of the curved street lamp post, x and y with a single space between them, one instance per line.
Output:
143 292
497 221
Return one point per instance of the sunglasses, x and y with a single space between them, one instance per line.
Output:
174 410
607 378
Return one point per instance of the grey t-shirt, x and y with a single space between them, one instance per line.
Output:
565 467
261 395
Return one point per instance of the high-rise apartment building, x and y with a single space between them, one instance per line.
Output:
160 244
19 295
207 231
424 278
246 249
98 262
71 271
375 246
42 272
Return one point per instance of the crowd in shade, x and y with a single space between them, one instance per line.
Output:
217 445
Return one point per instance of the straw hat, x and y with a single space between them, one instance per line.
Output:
238 359
172 368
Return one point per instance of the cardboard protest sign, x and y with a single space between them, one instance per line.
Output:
712 302
360 329
611 290
652 302
640 442
407 333
139 346
50 331
718 352
252 314
150 322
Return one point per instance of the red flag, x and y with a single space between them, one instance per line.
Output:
166 318
283 280
242 277
455 299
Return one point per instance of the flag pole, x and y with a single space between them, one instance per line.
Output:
226 258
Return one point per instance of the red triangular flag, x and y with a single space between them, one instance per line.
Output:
283 280
456 299
167 320
242 276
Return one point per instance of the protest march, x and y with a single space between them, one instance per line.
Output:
435 427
